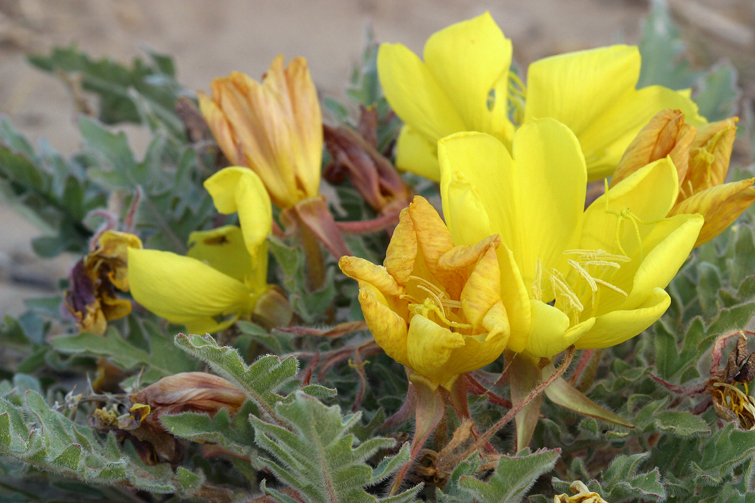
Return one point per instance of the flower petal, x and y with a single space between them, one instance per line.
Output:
550 330
720 206
365 271
240 190
416 154
414 94
388 328
470 60
402 249
223 249
616 327
467 214
649 193
593 93
551 178
482 289
184 290
429 346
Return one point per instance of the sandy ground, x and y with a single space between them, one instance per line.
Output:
210 38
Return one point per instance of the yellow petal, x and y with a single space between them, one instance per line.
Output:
710 156
666 248
434 239
466 216
220 127
605 142
183 290
223 249
388 328
618 326
482 289
593 93
307 122
720 206
648 193
241 190
364 270
429 345
470 60
551 179
578 87
402 249
550 330
515 299
417 154
414 94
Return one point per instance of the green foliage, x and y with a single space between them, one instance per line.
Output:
50 441
666 62
509 483
160 359
315 454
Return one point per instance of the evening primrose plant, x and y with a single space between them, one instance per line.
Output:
513 332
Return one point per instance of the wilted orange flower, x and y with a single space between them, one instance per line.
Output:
701 157
273 127
433 307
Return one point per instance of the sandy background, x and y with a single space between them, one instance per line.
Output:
210 38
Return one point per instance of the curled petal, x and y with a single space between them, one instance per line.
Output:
429 345
388 328
463 256
710 155
222 249
482 290
241 190
665 134
364 270
402 250
720 206
220 127
434 240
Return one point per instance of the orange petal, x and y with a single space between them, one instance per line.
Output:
388 328
364 270
720 206
402 250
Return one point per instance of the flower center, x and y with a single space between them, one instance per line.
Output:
587 264
437 302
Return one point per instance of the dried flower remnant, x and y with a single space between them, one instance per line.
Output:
582 494
701 157
729 401
94 279
273 127
138 415
372 175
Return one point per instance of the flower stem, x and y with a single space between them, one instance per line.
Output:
485 437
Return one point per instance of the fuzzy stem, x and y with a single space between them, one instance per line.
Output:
485 437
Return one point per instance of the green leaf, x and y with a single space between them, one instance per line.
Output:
260 380
723 452
161 361
717 94
315 454
513 477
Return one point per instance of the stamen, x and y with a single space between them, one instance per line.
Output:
537 286
586 275
424 308
612 287
435 297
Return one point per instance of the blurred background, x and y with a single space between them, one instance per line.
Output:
210 38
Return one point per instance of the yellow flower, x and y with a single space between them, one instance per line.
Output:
593 278
434 307
463 84
94 279
224 275
274 128
701 157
